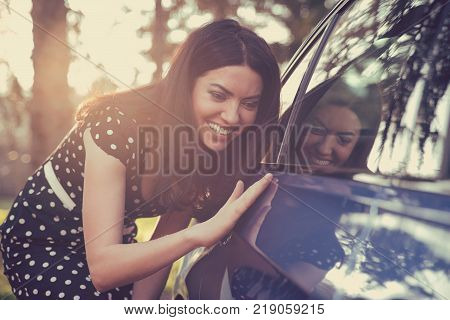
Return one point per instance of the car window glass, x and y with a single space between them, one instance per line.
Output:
287 97
290 87
378 99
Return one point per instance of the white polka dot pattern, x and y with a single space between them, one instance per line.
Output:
49 261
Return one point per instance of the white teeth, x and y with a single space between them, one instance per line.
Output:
322 162
218 129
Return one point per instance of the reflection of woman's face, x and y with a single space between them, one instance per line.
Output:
334 133
225 101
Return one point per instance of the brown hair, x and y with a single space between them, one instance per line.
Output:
215 45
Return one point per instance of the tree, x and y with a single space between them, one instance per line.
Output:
299 17
49 107
161 49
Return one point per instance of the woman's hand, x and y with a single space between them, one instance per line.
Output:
211 231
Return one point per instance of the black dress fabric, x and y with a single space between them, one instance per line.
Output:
42 239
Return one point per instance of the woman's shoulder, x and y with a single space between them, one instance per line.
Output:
119 114
114 122
136 106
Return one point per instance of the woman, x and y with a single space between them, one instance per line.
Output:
338 128
70 232
340 136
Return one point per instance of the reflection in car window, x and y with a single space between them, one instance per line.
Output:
291 86
383 81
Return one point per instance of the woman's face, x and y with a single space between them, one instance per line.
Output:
333 135
225 101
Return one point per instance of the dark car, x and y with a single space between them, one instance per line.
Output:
362 207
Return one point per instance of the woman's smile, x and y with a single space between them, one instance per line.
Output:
319 162
222 130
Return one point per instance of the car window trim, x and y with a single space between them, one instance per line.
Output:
298 100
314 36
445 165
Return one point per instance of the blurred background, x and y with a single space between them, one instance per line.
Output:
56 53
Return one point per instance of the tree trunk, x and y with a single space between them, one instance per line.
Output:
49 107
159 31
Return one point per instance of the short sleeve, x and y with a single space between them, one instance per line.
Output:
114 132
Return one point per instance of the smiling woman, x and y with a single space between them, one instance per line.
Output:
334 132
70 233
225 101
337 130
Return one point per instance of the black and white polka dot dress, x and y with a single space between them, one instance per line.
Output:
42 237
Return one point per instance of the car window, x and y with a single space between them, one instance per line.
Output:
290 87
291 81
378 99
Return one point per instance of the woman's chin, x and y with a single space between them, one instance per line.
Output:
215 145
216 142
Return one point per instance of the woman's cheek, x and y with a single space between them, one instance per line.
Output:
345 152
248 117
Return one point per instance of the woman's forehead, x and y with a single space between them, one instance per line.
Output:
337 118
240 80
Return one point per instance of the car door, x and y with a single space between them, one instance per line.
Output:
377 224
203 273
389 204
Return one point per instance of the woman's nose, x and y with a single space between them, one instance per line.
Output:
231 113
326 145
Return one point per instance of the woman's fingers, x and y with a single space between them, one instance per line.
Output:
223 222
272 191
238 189
252 193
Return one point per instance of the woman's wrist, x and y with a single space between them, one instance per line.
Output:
192 236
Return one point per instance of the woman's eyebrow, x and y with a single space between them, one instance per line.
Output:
258 96
346 133
231 93
343 133
221 88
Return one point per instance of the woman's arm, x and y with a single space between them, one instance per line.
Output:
152 286
112 263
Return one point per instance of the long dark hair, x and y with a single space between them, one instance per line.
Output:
215 45
368 111
370 122
334 92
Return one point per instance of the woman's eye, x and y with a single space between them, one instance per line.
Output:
251 105
343 140
217 95
318 131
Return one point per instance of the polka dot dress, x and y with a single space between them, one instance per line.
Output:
42 239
